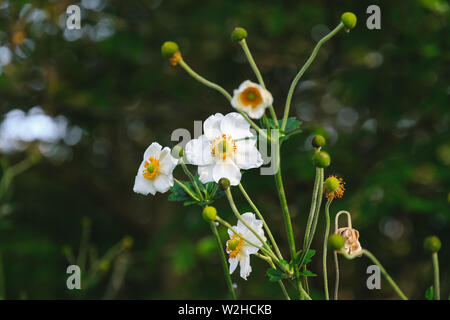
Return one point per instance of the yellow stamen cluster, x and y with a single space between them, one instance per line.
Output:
223 147
336 192
151 168
234 245
251 97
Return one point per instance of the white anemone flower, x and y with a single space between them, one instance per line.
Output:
155 172
239 250
252 99
226 146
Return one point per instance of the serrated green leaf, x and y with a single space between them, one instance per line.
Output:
429 294
275 275
307 273
179 194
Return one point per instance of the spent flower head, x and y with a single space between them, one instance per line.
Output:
333 187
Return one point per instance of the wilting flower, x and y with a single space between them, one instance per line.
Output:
239 251
252 99
333 187
351 237
226 146
155 172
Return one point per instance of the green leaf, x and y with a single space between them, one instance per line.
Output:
178 193
190 202
275 275
292 127
307 273
309 255
292 124
429 294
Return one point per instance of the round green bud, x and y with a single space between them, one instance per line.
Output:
321 159
332 184
336 241
432 244
349 20
209 213
318 141
169 48
177 152
238 34
224 183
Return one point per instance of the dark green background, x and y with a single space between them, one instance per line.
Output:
124 96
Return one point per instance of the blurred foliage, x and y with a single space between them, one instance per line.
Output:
381 97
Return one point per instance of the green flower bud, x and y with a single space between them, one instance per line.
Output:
169 48
318 141
336 241
224 183
177 152
238 34
349 20
209 213
332 184
432 244
321 159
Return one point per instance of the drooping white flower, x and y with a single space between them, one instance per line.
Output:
239 251
252 99
155 172
226 146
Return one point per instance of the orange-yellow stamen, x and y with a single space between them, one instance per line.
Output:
151 168
338 193
223 147
235 238
251 97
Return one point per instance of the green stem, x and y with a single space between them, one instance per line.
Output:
214 86
437 291
336 283
207 83
383 271
258 76
312 209
186 189
266 227
302 71
238 215
280 282
191 177
287 221
325 246
224 260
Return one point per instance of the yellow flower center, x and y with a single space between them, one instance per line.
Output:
151 168
234 245
251 97
223 147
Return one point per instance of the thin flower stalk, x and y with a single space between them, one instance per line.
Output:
325 246
258 213
437 290
302 71
223 259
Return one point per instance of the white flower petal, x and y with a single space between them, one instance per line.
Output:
154 150
247 155
256 112
167 162
198 151
233 264
205 173
235 125
211 126
227 169
143 186
162 183
244 263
